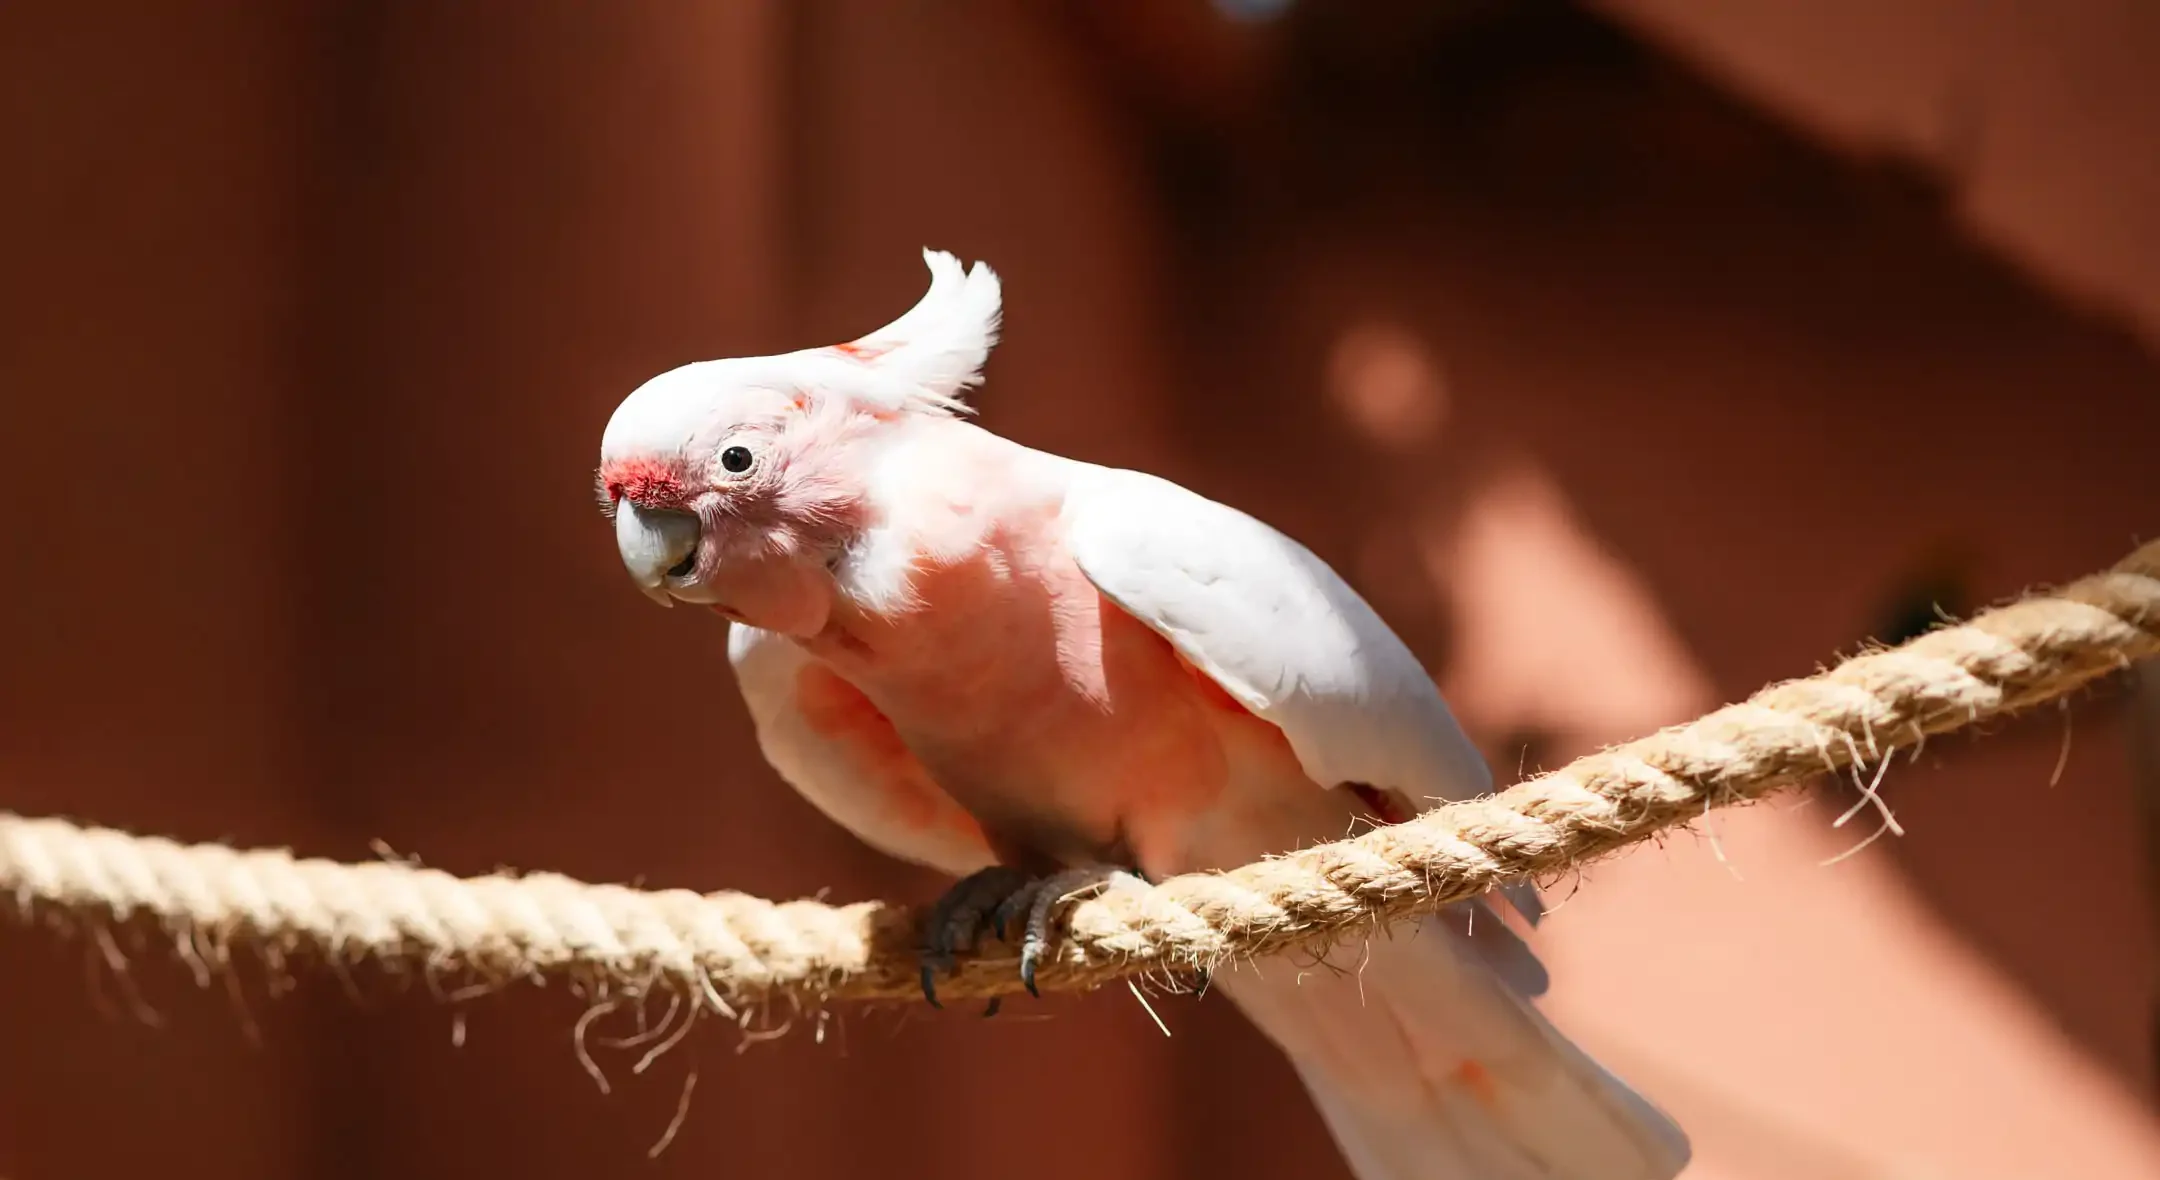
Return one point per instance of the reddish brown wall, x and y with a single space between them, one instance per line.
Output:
311 323
147 363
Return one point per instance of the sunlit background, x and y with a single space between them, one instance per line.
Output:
1626 355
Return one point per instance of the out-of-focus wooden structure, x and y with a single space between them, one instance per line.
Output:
1617 395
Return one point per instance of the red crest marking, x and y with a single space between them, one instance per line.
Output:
858 351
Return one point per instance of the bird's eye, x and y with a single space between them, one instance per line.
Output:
735 460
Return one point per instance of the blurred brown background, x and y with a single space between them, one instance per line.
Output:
1627 358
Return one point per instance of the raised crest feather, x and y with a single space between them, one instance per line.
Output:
927 359
922 363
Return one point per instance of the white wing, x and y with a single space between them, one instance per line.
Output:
1423 1065
881 796
1280 631
1277 628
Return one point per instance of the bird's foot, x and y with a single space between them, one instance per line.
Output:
997 900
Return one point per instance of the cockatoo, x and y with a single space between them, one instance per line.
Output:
1015 667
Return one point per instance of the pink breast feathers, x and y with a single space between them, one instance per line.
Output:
898 790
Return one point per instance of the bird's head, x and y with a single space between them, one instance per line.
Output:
738 483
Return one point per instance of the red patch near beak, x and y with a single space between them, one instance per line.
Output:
647 483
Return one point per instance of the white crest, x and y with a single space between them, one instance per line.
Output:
928 358
922 362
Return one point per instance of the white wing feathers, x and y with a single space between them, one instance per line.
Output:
1278 629
1423 1065
1282 632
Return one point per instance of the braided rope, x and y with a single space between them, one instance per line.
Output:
733 950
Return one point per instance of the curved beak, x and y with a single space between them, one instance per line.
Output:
652 542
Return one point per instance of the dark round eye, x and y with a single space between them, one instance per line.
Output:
735 460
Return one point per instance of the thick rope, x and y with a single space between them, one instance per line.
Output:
735 951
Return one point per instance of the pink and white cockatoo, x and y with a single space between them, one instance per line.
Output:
1020 669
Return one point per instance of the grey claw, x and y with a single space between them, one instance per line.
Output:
1015 904
1000 900
1031 953
957 919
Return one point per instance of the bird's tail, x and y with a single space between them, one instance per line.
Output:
1428 1061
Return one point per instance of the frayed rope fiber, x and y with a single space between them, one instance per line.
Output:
733 950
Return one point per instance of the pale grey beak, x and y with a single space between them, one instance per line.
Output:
652 542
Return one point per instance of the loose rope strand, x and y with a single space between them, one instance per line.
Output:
731 951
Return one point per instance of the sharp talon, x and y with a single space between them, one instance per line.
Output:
959 919
1001 900
1030 954
991 1009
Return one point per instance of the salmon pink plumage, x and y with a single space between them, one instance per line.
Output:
1025 671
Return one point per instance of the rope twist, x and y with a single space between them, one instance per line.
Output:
730 950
